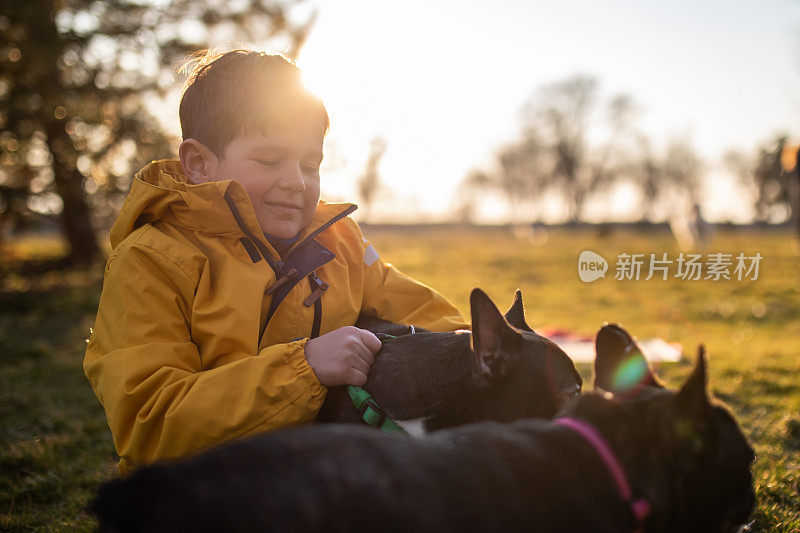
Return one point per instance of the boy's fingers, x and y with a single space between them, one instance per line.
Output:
358 378
370 341
360 363
365 354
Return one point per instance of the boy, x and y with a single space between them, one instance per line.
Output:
230 294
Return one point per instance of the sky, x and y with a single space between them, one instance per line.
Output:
443 82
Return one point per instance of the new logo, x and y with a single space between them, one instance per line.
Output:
591 266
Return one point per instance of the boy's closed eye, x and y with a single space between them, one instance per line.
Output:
311 167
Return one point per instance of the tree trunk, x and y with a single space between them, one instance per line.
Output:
76 217
76 221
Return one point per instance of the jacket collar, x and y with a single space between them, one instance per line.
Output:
236 198
160 192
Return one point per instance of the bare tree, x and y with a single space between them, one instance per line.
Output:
668 178
468 193
681 172
770 175
523 172
369 182
609 159
646 170
571 142
561 113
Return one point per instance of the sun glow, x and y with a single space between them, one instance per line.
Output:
444 82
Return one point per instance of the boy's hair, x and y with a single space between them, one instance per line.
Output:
241 92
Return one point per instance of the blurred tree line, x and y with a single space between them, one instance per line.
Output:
81 83
577 145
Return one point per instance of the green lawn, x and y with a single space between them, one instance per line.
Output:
55 447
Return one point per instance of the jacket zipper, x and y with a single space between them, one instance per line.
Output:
316 293
277 266
322 228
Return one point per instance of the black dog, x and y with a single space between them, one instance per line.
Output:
506 373
709 483
681 455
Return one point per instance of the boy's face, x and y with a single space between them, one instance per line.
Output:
280 173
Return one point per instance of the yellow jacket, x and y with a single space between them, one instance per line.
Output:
195 343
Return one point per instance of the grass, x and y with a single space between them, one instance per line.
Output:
55 447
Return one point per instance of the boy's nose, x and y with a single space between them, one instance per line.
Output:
293 180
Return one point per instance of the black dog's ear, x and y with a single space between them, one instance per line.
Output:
692 407
619 365
491 333
516 313
693 395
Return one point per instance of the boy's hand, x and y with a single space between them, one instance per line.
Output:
343 356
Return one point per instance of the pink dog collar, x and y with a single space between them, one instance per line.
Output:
640 507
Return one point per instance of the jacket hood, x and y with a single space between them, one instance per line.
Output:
160 192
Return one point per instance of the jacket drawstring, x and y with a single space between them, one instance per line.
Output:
280 281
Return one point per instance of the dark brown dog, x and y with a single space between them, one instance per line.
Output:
678 450
506 372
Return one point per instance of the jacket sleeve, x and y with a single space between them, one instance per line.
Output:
394 296
146 371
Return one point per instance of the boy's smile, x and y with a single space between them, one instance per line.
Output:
280 173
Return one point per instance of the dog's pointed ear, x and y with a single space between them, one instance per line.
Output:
693 395
516 313
491 333
692 408
619 364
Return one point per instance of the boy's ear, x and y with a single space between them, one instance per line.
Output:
516 313
619 364
199 163
491 333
